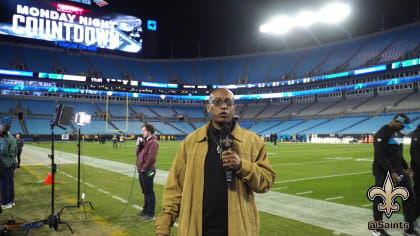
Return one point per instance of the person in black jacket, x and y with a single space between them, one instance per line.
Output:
415 165
388 151
20 144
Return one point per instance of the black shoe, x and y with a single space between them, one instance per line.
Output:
148 218
380 232
141 213
411 232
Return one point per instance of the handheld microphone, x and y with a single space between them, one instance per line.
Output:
226 141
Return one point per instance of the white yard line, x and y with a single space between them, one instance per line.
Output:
333 198
322 177
307 192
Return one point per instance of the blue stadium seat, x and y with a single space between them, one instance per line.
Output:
342 54
36 59
106 66
6 104
191 112
208 71
8 56
129 127
158 70
182 125
370 126
304 126
198 124
183 70
38 107
313 59
407 42
163 111
259 66
82 107
97 127
140 109
165 129
72 64
334 126
134 69
246 124
232 69
280 128
41 126
262 126
15 127
285 62
116 110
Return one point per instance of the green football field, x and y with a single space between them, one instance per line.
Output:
339 173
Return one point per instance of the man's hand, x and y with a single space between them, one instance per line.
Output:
232 160
409 172
395 178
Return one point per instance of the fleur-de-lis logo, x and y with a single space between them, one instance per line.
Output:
227 142
388 193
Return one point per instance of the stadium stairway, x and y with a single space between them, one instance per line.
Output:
365 101
267 105
280 111
328 107
303 108
290 127
367 118
402 99
152 111
23 126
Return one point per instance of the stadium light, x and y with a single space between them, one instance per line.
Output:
82 118
332 13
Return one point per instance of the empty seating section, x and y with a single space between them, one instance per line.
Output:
410 103
252 110
272 109
345 105
41 126
373 48
6 104
191 112
183 70
232 69
106 66
116 110
317 107
259 66
334 126
264 125
128 127
8 56
82 107
379 102
39 107
292 109
304 126
198 124
341 55
134 69
183 126
238 108
98 127
140 109
370 126
246 123
165 129
15 127
284 126
312 60
162 111
405 43
208 71
158 70
72 64
285 63
37 59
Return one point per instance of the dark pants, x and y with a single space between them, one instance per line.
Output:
408 205
146 184
416 179
7 187
19 152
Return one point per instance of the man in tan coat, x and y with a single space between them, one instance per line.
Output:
197 191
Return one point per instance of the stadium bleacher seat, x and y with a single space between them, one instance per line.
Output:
407 41
8 56
284 126
264 125
182 125
135 69
232 69
39 107
252 110
158 70
293 109
313 59
246 124
285 62
128 127
190 112
371 125
379 103
345 105
165 129
32 58
208 71
97 126
198 124
6 104
140 109
259 66
183 70
82 107
336 125
163 111
73 64
106 66
41 126
116 110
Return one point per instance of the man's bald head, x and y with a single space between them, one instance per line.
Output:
221 106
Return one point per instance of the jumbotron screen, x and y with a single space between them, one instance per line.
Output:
73 25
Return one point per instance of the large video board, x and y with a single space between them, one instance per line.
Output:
71 24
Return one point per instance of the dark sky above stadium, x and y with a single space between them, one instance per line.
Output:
208 28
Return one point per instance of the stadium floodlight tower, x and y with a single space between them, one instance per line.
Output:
332 13
81 119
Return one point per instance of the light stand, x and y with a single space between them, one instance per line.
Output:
81 119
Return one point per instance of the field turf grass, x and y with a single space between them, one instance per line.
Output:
320 171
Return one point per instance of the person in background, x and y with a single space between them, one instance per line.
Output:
146 153
8 152
20 143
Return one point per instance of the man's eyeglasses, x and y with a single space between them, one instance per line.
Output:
218 102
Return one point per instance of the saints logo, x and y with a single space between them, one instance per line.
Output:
388 193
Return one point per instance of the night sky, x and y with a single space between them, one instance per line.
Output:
230 27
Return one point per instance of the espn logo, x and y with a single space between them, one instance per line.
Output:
100 3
